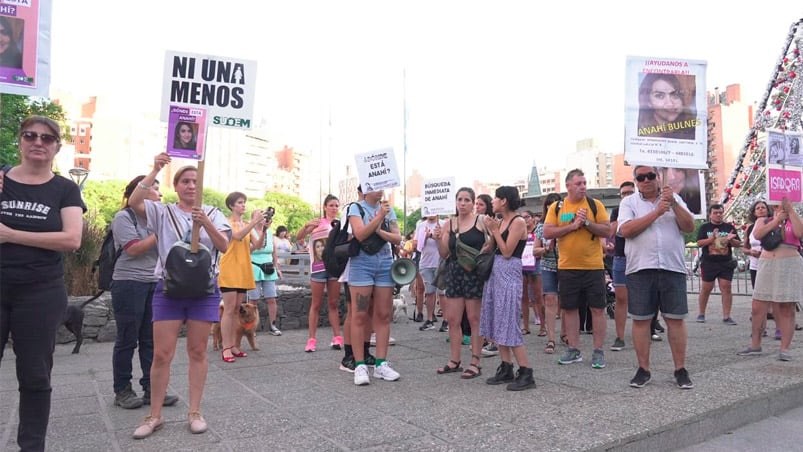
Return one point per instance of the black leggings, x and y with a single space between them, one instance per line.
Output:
32 313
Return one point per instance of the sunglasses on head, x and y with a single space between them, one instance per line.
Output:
30 137
643 177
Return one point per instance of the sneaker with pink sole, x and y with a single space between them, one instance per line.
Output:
310 345
337 343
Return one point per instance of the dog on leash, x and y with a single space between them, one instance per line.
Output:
248 322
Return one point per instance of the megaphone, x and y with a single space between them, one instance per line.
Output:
403 271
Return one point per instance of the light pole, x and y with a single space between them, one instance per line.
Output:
79 175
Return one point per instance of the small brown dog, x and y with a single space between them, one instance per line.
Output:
247 326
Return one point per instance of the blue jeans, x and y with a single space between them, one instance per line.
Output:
31 313
133 313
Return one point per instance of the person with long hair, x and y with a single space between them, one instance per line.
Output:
548 251
778 278
39 221
372 221
10 54
752 249
133 284
236 277
170 313
663 112
501 300
464 289
184 136
319 229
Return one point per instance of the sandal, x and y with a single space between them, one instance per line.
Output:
228 359
541 333
550 347
564 339
525 331
469 373
447 369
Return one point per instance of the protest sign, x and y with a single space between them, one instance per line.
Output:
377 170
438 197
186 132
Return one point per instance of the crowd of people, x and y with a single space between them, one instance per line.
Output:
552 261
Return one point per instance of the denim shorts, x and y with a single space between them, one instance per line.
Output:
581 288
652 290
264 289
549 281
321 277
428 275
204 309
366 270
619 266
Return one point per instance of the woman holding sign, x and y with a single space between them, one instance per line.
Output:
778 278
319 280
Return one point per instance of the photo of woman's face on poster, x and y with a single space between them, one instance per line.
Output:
11 32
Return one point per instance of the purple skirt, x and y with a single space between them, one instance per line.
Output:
205 309
500 316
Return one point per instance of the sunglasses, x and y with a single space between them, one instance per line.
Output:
648 176
47 138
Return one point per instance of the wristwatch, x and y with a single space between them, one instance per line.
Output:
587 223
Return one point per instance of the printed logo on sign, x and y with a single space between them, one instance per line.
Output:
231 122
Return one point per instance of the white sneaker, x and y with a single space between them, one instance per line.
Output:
385 372
361 375
391 340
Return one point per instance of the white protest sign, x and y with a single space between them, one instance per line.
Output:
438 197
224 86
377 170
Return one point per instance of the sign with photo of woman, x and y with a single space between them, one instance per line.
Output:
665 112
783 147
186 129
25 47
317 244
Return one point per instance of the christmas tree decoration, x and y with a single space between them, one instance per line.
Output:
779 110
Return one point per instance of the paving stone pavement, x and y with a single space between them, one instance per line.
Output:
280 398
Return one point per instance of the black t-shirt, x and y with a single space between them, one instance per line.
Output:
34 208
711 252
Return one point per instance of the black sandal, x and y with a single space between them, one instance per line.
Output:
448 369
468 374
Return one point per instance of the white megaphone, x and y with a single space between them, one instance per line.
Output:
403 271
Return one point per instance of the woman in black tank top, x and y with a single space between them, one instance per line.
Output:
501 301
464 289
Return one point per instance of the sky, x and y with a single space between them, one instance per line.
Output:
490 87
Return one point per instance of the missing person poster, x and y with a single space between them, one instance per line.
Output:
223 86
377 170
438 197
186 131
25 47
783 147
665 112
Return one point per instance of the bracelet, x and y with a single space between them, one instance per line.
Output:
144 187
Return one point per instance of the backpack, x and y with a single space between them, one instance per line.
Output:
109 253
335 252
591 205
187 274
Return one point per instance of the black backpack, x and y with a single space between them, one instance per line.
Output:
109 253
334 259
187 274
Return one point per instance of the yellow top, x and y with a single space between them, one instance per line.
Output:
235 264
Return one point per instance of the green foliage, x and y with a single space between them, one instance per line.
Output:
412 219
400 218
14 110
692 236
103 200
291 211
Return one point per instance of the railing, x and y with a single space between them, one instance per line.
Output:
741 276
295 268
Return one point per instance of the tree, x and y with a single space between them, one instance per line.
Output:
412 220
14 110
291 211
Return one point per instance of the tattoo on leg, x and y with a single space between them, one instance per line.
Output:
362 303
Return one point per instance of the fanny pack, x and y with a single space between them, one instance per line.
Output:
266 267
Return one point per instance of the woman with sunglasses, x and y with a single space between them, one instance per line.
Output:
40 219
